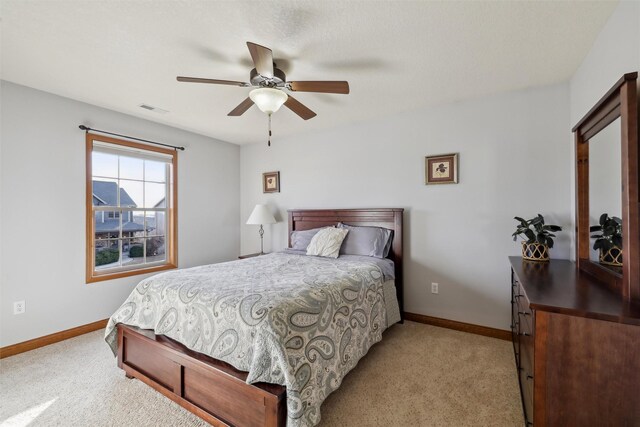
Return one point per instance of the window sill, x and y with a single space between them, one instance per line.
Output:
121 274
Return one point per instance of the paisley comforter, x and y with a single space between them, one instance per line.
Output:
302 322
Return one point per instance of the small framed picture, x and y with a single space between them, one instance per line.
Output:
442 169
271 182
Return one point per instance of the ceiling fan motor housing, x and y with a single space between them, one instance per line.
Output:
279 79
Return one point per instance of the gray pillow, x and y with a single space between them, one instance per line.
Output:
368 241
301 239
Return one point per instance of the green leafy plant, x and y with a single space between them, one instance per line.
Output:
610 235
136 251
534 230
107 256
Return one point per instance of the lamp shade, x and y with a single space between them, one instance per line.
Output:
261 215
268 100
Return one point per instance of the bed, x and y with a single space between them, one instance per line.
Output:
269 351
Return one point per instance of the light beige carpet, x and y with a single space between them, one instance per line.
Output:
418 375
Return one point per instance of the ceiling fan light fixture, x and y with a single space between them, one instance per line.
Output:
267 99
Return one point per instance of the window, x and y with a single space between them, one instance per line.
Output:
131 208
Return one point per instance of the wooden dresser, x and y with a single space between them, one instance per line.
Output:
576 345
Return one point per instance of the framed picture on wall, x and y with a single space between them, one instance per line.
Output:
271 182
442 169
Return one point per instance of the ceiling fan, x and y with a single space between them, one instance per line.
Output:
271 87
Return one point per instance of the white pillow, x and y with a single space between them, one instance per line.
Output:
327 242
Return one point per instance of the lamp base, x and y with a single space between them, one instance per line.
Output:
261 232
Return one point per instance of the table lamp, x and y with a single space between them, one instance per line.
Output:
260 216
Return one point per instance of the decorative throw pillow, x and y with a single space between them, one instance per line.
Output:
301 239
327 242
368 241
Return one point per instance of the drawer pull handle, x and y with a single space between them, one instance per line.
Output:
529 423
524 313
525 334
529 377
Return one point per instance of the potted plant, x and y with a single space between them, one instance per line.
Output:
537 237
609 241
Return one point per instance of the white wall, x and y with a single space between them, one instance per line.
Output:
42 209
616 51
514 160
605 170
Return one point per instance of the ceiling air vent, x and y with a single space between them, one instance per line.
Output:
152 108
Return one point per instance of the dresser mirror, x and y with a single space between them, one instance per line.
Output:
607 181
605 197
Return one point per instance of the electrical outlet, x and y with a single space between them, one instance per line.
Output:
434 288
19 307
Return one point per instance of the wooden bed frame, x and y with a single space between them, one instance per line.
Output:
214 390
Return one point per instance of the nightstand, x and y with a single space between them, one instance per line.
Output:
250 255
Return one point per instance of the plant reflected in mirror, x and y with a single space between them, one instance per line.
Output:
608 239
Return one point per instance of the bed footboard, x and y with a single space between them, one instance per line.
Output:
209 388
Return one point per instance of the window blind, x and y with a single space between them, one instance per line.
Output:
121 150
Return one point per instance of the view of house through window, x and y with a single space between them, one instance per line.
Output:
132 197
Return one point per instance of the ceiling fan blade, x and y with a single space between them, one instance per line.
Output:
240 109
324 87
262 59
211 81
298 108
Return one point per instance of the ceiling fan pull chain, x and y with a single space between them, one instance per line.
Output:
269 141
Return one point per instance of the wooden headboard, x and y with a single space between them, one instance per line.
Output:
391 218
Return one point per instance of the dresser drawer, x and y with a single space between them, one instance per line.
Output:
525 322
526 388
515 322
525 314
521 299
515 332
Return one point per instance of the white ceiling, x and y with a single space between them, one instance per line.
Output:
396 55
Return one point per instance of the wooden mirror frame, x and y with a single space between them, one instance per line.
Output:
619 102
